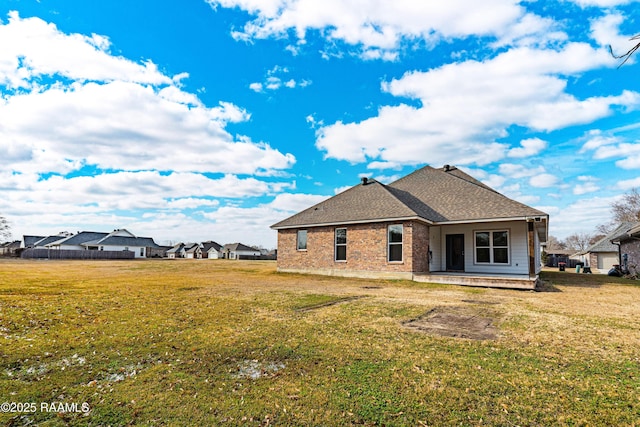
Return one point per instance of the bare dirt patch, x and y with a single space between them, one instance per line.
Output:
457 321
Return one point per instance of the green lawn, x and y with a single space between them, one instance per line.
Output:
187 342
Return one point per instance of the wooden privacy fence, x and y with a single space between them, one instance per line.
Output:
75 254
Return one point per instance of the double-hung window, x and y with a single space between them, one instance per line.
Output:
341 244
492 247
302 240
394 239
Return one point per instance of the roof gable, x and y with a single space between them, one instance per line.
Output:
123 241
80 238
449 194
234 247
207 246
49 239
433 195
365 202
605 244
31 240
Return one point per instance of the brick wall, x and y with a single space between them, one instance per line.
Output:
366 249
632 249
593 260
420 255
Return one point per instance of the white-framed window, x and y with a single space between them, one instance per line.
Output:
302 240
141 251
394 242
492 247
341 244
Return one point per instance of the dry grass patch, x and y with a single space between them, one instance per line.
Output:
235 343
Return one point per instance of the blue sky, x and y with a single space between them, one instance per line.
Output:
200 120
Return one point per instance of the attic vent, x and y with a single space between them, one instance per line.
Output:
446 168
364 180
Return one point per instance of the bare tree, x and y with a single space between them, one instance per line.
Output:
605 229
578 241
5 229
553 244
627 209
625 56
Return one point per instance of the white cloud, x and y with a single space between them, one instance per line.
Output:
256 87
602 3
379 27
293 203
587 185
276 79
529 147
631 162
610 147
517 171
95 141
584 215
128 190
111 113
190 203
116 200
543 180
628 184
32 47
484 94
596 140
131 127
494 181
606 32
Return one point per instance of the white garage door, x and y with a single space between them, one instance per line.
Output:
606 261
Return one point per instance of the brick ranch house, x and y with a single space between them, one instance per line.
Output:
433 225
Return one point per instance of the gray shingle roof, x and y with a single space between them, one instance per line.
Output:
239 247
31 240
455 196
49 239
362 203
206 246
123 241
81 238
605 245
434 195
624 234
176 248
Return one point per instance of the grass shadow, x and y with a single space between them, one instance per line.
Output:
550 280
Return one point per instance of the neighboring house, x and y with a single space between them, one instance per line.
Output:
10 248
158 251
122 240
118 240
41 242
30 241
240 251
76 241
193 251
628 244
604 254
176 251
212 250
433 225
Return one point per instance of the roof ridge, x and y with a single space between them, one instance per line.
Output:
467 178
391 190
